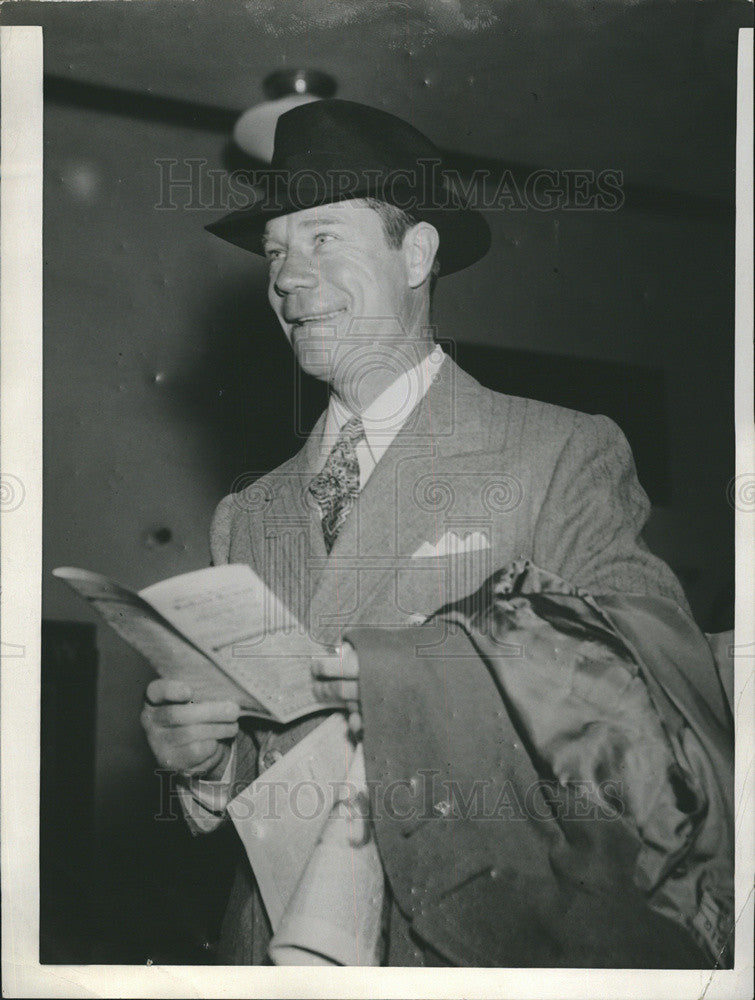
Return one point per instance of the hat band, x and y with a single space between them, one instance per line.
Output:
305 181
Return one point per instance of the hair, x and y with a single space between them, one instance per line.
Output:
396 224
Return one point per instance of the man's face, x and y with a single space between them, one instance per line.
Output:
340 292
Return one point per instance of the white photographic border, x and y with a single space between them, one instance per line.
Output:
21 523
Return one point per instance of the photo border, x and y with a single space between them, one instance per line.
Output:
21 454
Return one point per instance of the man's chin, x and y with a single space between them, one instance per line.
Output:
314 345
316 368
314 355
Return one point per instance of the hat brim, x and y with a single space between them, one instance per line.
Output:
464 234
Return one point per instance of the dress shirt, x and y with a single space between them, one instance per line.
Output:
385 415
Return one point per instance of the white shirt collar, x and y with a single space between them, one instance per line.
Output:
388 412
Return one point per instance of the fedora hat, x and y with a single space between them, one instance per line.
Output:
333 150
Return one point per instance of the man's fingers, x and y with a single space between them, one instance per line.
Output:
344 663
207 765
341 691
181 736
356 726
193 758
193 713
162 692
336 678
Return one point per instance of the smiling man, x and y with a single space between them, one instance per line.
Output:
339 288
545 739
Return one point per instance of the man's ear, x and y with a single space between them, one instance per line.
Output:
420 247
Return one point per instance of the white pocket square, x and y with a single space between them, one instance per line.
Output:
452 544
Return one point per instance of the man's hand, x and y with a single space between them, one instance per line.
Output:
337 679
191 738
337 675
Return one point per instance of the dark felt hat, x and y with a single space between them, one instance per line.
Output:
333 150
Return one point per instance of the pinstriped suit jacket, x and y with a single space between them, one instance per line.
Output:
538 481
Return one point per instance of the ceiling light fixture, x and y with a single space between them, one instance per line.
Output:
284 89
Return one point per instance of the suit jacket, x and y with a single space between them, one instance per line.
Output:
536 481
552 784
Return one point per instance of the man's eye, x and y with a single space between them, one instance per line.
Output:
274 253
321 238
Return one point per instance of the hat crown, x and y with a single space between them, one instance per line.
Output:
348 136
332 150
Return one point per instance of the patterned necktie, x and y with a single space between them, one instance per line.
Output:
336 487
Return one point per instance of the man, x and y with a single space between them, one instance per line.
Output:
412 490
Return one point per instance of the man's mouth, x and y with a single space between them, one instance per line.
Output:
318 318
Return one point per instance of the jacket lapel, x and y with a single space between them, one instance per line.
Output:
359 582
291 541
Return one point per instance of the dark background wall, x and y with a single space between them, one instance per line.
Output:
165 379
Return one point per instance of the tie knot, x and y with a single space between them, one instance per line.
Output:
352 430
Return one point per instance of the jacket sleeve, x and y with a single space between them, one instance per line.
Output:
204 803
589 528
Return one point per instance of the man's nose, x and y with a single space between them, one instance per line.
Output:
297 271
